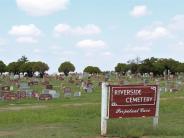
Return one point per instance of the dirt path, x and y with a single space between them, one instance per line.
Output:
7 133
18 108
168 98
23 107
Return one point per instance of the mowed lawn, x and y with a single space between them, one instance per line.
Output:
80 118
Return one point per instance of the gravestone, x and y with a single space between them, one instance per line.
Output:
35 81
53 93
24 86
21 95
85 75
146 81
77 94
89 88
35 95
121 82
11 88
10 96
50 87
45 97
29 93
61 78
11 77
5 88
16 77
80 76
67 92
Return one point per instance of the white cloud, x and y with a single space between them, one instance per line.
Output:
176 23
42 7
25 33
174 28
92 44
66 29
26 40
140 10
153 33
25 30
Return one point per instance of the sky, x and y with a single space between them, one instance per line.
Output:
91 32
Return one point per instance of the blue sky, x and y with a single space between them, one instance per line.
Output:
91 32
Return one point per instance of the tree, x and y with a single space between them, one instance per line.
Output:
147 65
92 70
134 65
28 68
158 68
180 67
66 67
23 59
14 67
121 68
2 67
39 66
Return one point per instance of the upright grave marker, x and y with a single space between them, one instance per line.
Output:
67 92
129 101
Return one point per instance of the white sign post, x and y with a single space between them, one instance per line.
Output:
104 108
155 119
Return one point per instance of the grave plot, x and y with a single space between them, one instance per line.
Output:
67 92
49 86
24 86
170 86
83 85
45 97
21 95
146 81
61 78
9 96
5 88
77 94
33 82
35 95
121 82
89 88
71 80
53 93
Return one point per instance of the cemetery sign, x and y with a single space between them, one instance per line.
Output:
125 101
132 101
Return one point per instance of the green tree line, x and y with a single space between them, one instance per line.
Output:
155 65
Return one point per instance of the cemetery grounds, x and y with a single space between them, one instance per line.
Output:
79 117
